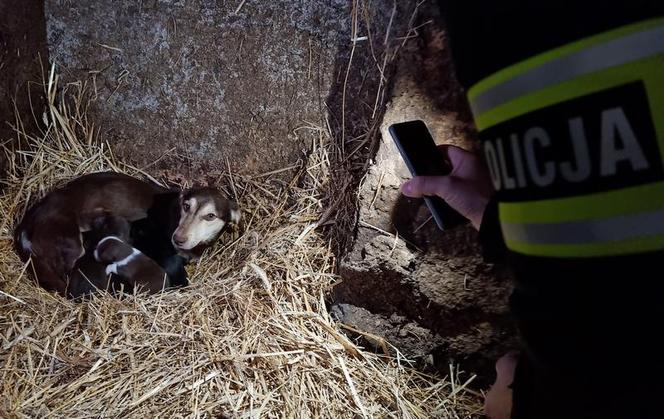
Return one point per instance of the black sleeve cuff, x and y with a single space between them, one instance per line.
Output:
491 236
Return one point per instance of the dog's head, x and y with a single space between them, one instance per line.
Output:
204 212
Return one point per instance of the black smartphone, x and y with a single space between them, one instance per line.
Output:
423 158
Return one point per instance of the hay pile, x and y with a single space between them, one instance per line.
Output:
250 337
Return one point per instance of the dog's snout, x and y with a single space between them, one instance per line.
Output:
179 240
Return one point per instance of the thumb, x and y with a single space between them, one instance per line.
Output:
426 186
459 194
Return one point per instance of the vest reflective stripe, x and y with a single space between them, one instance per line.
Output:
619 51
583 129
643 198
624 247
624 227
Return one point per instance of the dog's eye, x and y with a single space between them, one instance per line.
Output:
210 217
185 206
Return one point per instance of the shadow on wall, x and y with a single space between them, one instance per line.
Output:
416 234
22 52
356 102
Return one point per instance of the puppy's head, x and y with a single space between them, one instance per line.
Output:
107 224
111 249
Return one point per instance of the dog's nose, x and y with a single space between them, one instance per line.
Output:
179 240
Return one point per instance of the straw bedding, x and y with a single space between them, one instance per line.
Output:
250 337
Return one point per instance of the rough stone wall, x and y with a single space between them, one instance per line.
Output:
211 84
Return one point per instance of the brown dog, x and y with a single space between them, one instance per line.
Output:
52 231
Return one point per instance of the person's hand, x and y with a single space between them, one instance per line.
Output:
467 188
498 401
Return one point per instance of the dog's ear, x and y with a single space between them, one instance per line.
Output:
70 250
99 220
234 214
123 229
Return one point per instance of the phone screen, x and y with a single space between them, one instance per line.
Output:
418 149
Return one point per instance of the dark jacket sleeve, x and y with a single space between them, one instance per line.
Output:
491 236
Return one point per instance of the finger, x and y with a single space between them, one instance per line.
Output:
455 157
446 149
446 163
426 186
457 154
506 366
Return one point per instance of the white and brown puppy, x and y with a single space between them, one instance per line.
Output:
130 264
89 275
204 213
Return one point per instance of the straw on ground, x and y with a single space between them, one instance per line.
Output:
250 337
